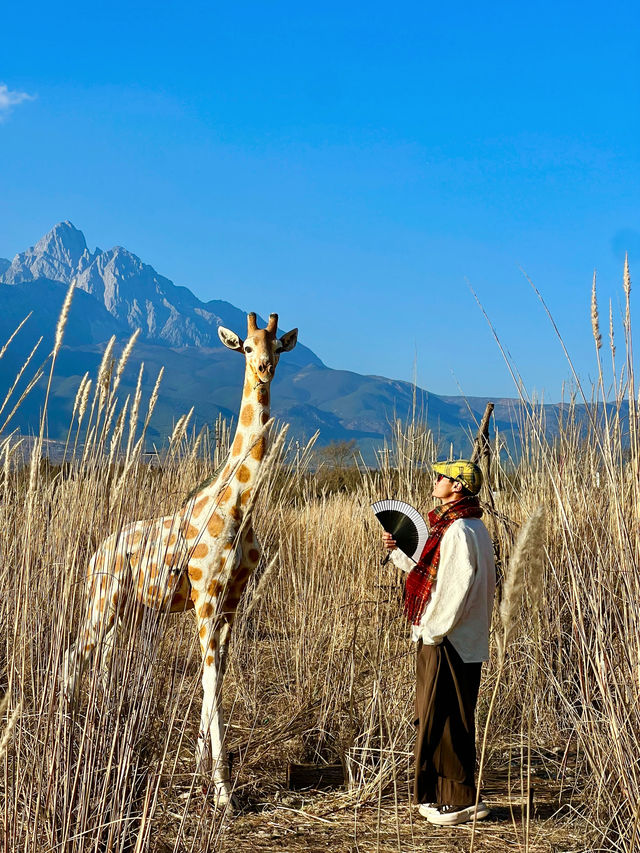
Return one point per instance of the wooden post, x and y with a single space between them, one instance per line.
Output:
481 454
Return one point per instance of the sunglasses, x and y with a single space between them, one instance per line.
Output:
444 477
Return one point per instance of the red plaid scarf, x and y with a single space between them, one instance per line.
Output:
417 590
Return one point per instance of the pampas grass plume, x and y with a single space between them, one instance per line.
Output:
64 315
528 555
260 589
595 322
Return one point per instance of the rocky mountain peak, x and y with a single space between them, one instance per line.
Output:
64 242
58 256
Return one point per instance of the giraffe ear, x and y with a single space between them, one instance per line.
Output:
229 338
288 340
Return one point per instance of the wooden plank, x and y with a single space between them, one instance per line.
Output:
319 777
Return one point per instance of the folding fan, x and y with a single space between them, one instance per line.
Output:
405 524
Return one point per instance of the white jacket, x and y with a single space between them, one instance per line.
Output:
462 596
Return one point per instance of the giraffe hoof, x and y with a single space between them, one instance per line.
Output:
219 797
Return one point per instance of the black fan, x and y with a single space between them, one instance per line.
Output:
405 524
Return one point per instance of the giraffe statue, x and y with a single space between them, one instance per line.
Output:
200 558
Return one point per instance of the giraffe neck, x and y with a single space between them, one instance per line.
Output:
234 485
250 441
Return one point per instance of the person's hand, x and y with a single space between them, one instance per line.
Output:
388 541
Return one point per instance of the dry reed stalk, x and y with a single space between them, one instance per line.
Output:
62 320
152 403
116 438
595 323
135 408
528 558
326 671
17 379
258 594
13 334
179 430
124 358
8 729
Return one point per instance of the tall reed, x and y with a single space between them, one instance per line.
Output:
321 667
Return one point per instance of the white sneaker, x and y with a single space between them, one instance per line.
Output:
425 809
452 815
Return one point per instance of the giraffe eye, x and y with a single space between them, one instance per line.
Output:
248 349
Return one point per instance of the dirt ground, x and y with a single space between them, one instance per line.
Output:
312 821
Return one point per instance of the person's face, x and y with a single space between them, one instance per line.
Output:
446 489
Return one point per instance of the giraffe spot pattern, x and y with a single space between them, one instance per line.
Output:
236 513
246 415
237 445
257 451
226 495
244 500
206 610
215 525
254 555
243 474
199 506
200 551
195 573
192 532
168 523
210 660
264 417
214 589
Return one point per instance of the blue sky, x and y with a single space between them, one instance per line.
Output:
355 167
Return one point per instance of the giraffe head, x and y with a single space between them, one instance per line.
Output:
261 347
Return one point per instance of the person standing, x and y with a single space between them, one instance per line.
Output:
448 600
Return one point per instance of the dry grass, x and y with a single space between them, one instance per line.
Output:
321 666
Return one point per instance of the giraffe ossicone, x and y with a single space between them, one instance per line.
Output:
199 558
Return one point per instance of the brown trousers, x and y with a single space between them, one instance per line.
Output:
445 750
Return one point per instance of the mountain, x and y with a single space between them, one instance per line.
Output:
130 290
117 293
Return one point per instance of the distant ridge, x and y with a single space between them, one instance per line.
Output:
118 292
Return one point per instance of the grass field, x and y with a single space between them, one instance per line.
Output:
321 666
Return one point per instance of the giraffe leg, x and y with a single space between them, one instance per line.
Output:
211 752
97 633
83 650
